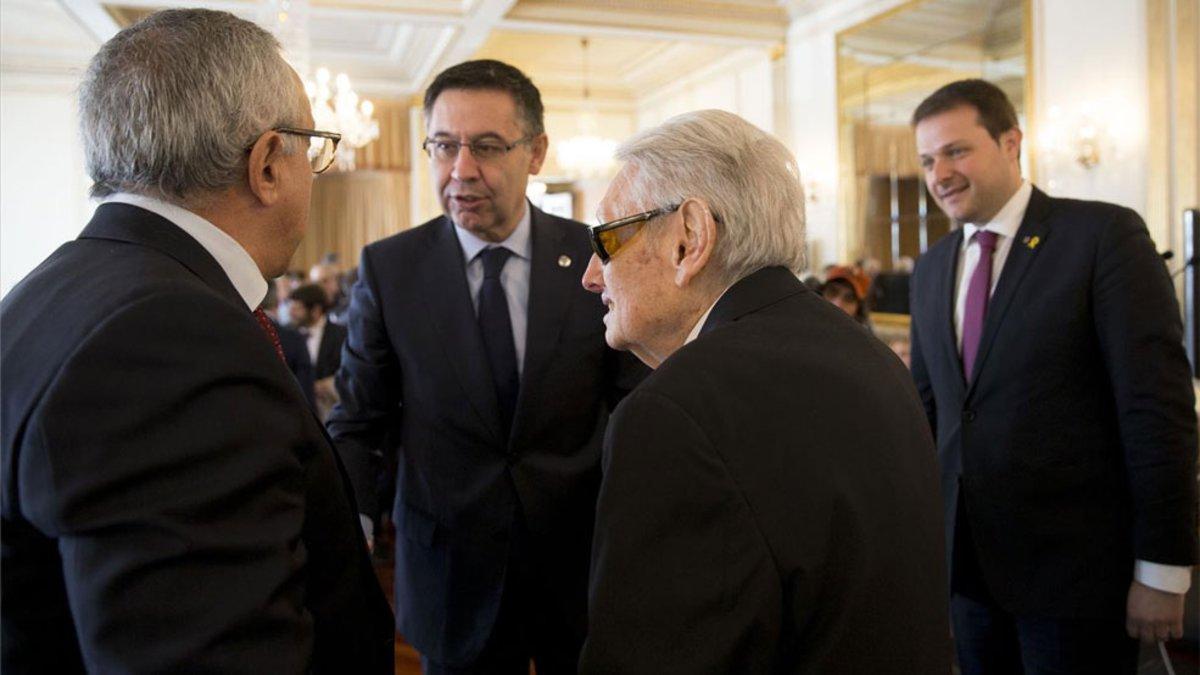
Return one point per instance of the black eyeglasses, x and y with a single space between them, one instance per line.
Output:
607 238
444 150
322 146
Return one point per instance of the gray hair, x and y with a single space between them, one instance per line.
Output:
169 105
748 178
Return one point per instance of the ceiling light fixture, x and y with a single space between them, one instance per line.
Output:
335 108
586 154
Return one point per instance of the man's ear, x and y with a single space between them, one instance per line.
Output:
538 145
264 167
1010 142
695 239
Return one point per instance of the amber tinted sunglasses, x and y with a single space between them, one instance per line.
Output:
608 238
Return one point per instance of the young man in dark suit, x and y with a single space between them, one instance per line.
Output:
471 332
307 308
769 502
169 503
1047 348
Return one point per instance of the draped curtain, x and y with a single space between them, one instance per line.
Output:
351 209
877 150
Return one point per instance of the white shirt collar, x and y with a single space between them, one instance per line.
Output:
703 318
518 242
241 269
1008 219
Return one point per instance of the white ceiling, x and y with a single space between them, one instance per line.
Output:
392 48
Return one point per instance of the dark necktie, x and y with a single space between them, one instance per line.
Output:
496 327
978 291
264 322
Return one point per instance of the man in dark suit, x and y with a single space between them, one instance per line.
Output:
1047 348
307 308
295 351
169 504
472 330
769 502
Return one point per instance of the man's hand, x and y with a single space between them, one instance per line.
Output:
1151 614
368 528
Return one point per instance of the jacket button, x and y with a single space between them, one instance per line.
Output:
968 415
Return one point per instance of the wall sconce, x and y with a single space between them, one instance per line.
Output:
811 189
1084 136
1088 139
814 183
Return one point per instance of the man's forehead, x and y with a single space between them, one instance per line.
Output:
947 127
618 200
473 112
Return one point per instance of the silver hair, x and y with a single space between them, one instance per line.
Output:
748 178
169 106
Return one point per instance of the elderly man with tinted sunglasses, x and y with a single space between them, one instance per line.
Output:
748 521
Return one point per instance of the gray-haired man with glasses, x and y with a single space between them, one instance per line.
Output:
472 334
169 504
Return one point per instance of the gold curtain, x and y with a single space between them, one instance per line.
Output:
354 208
390 151
876 147
351 210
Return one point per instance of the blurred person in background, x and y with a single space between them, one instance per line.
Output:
846 287
323 341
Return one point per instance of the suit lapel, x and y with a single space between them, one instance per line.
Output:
551 285
945 318
452 313
1020 257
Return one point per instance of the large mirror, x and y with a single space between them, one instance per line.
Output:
886 66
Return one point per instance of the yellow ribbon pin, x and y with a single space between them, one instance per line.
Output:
1032 242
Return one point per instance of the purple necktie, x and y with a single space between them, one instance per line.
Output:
977 301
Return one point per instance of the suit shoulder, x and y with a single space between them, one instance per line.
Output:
1083 208
1092 218
947 244
402 241
943 249
565 223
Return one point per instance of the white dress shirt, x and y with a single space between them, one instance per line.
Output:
1171 578
514 277
314 334
241 269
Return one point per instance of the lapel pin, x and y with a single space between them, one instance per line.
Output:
564 261
1031 242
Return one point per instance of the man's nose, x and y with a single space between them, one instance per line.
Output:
465 166
593 276
941 170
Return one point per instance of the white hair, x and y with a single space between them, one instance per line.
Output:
748 178
169 106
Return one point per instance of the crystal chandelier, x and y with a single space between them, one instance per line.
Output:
586 154
335 108
340 110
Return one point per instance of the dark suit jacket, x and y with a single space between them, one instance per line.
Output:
1075 444
770 503
329 352
169 503
415 351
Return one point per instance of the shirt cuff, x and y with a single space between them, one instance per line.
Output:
1169 578
368 527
